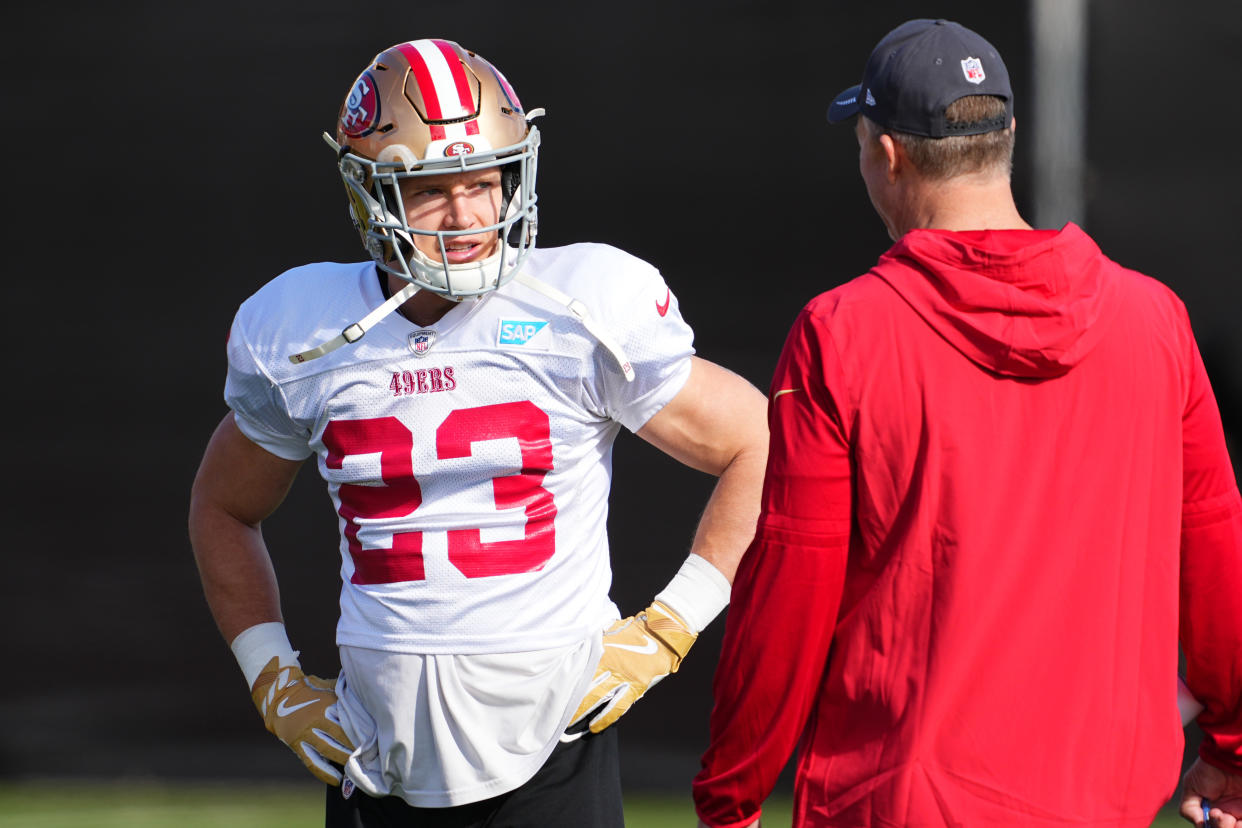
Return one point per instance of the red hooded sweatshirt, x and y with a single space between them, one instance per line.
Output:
998 484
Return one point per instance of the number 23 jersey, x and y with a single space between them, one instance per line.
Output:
469 461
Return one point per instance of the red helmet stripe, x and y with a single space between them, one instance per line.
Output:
422 77
465 95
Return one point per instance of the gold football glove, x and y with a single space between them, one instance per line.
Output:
638 652
300 710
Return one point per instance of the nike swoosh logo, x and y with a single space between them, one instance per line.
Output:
785 391
284 709
648 649
668 297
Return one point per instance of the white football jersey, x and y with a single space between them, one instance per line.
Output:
469 461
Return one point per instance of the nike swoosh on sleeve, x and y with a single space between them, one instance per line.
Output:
668 298
785 391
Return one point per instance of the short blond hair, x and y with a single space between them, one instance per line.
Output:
940 158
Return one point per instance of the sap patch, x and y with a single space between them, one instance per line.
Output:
520 332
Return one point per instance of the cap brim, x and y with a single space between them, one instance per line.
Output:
845 105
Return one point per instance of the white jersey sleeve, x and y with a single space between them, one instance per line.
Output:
257 401
636 306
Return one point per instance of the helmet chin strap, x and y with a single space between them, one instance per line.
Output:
356 331
490 267
579 310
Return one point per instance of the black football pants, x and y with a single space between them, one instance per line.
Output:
579 786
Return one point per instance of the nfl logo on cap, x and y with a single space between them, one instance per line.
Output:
421 342
972 68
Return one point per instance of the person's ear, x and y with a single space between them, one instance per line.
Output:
895 157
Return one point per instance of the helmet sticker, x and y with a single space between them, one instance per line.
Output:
459 148
507 89
361 108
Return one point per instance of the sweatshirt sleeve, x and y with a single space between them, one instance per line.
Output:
788 587
1211 573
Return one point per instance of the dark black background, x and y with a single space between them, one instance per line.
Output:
164 160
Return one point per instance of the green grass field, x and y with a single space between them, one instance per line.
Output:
156 805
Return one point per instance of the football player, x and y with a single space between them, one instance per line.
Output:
465 440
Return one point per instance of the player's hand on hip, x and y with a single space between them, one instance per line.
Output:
638 652
1223 790
301 711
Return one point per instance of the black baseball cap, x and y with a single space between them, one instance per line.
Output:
917 70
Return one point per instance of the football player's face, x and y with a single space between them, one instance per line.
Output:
454 201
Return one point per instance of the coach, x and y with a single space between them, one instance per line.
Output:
997 494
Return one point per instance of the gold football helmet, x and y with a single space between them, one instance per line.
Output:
429 107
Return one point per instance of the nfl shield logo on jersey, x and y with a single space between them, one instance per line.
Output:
972 68
421 342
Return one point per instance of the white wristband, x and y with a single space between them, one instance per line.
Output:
697 593
255 646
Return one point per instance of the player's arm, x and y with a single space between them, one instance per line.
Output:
238 485
716 424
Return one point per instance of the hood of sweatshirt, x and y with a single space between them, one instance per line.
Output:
1022 303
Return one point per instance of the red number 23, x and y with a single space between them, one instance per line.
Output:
401 495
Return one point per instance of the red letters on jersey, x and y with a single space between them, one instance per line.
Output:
422 381
401 495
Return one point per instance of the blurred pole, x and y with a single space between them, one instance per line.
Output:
1058 125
